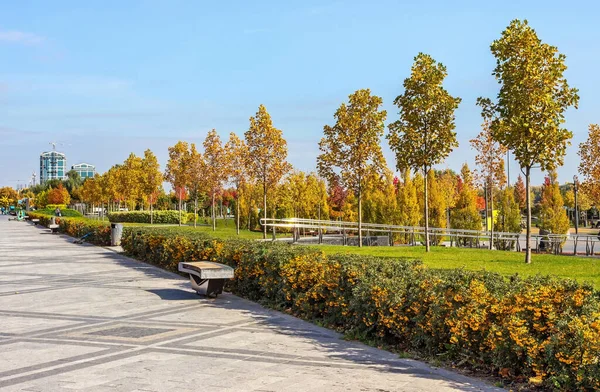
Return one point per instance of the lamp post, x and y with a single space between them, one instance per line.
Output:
575 186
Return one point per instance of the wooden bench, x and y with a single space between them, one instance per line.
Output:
53 228
206 277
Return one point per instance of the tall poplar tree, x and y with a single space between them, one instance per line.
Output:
589 165
408 205
267 154
151 179
237 160
520 195
423 136
351 149
177 172
216 168
465 215
490 161
553 216
528 115
196 177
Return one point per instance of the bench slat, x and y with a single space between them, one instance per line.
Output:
207 269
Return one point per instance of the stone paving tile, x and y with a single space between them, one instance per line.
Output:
84 318
29 325
20 354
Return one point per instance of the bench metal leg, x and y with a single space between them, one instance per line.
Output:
207 287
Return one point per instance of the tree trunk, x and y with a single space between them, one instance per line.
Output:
180 207
237 207
151 214
265 210
214 213
359 216
492 220
195 209
528 207
426 213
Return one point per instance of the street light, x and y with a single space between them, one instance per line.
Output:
575 189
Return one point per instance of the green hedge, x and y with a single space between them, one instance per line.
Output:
78 227
542 330
54 206
66 212
159 217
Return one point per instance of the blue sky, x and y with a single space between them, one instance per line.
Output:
113 77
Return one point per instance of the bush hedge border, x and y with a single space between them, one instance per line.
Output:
78 227
158 217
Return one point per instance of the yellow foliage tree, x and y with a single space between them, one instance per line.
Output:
267 154
177 172
423 136
351 149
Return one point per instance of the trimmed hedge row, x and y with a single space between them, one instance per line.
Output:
159 217
541 330
65 212
78 227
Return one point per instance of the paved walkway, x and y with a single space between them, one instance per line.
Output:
79 317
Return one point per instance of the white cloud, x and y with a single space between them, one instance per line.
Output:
20 37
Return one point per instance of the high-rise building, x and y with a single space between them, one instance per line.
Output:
53 165
85 170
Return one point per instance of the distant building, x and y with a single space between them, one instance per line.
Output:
53 166
85 170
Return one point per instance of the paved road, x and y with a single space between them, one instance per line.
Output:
79 317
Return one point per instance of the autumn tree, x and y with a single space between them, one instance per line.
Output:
133 167
304 195
589 165
380 204
151 179
59 195
435 200
408 205
177 172
295 194
528 115
9 195
90 191
465 214
216 168
490 163
267 154
423 136
351 149
318 187
196 177
509 218
520 193
553 216
4 202
336 198
237 160
107 182
449 182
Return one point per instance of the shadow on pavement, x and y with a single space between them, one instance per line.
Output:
174 294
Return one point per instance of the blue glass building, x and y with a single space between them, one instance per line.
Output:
85 170
53 165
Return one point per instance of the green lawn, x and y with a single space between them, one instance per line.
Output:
225 229
583 269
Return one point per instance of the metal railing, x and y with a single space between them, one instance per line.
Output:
415 235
